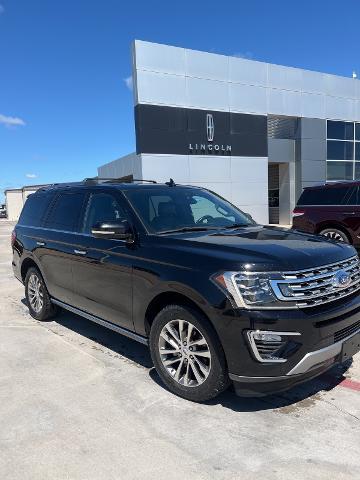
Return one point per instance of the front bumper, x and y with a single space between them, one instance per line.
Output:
310 366
326 337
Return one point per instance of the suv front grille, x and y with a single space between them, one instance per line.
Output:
313 287
346 332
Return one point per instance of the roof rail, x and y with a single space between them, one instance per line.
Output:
126 179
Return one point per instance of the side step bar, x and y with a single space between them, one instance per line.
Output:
104 323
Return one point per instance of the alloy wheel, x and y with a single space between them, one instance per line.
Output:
35 293
185 353
334 235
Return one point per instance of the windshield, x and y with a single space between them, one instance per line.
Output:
182 208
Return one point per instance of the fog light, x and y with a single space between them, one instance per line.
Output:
269 347
267 337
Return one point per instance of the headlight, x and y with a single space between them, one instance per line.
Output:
249 290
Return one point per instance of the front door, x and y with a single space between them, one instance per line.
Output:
102 268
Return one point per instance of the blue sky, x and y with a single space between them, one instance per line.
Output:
65 107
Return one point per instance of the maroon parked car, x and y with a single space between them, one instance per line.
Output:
332 210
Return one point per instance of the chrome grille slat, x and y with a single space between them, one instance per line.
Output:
312 287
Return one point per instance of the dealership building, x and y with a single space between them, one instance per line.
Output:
254 132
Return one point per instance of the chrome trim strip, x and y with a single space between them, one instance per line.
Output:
104 323
300 298
318 356
250 335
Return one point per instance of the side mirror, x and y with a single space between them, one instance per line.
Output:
120 230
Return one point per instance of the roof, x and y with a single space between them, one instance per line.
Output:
117 185
334 184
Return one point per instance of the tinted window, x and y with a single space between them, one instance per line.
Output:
325 196
172 208
102 207
65 213
353 197
340 170
34 209
340 150
340 130
357 151
357 131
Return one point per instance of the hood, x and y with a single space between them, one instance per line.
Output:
266 248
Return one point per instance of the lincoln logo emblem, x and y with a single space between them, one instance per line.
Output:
210 127
210 147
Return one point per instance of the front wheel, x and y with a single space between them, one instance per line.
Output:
335 234
187 354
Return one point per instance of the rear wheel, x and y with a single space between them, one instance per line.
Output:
187 354
37 296
335 234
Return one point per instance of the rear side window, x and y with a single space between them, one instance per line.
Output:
326 196
65 213
34 209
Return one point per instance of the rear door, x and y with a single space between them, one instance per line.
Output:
351 214
319 207
58 242
102 270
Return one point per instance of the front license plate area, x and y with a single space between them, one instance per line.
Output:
350 347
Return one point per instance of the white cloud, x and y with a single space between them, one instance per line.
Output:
249 55
2 9
11 121
31 175
129 82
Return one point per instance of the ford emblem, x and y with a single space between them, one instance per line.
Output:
341 279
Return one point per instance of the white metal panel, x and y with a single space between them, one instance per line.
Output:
286 78
283 102
248 99
161 88
247 72
249 169
159 58
313 82
340 86
163 167
206 65
339 108
207 94
209 168
312 105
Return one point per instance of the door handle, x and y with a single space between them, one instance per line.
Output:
349 213
41 244
80 252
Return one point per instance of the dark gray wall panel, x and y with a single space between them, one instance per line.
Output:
313 128
313 171
171 130
281 150
313 149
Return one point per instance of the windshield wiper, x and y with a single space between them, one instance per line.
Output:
236 225
188 229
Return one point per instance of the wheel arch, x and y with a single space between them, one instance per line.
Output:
333 224
169 298
26 264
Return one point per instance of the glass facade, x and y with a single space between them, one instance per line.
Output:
343 150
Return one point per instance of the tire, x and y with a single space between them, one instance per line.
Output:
335 234
37 296
196 367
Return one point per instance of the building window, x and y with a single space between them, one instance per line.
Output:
343 150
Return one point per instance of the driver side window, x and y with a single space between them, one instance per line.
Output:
203 206
102 207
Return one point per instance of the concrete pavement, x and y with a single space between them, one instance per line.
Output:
80 402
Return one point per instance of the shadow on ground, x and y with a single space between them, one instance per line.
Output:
306 393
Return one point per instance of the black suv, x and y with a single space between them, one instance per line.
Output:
216 297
